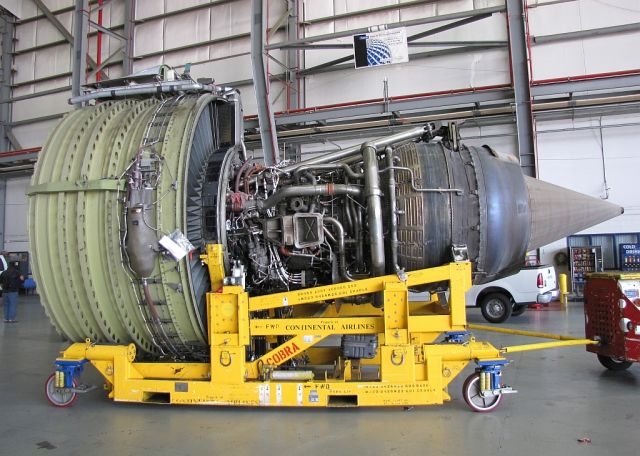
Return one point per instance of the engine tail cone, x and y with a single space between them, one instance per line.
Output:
556 212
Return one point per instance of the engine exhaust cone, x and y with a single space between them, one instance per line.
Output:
557 212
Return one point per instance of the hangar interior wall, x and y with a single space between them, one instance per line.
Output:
15 220
592 155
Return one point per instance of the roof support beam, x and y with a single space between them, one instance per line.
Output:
54 20
310 47
337 66
411 23
106 31
633 27
417 36
36 119
55 43
362 12
586 83
381 107
12 139
106 62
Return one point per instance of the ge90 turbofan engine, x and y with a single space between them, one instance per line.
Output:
126 187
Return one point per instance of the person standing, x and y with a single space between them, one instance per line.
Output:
11 281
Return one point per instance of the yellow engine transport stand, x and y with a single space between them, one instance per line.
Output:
406 353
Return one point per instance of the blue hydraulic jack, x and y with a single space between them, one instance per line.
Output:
456 337
483 390
63 386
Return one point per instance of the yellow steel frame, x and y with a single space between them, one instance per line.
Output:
409 369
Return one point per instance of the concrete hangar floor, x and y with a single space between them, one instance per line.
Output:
564 396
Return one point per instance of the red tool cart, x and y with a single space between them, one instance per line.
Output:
612 316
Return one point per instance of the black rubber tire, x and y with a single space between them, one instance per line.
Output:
613 364
496 307
518 310
470 393
56 398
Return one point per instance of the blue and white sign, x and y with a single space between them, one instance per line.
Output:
380 48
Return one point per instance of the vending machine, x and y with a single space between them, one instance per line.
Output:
629 257
583 260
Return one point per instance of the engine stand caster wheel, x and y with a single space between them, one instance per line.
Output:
59 397
471 394
614 364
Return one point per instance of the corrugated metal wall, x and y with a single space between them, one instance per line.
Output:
214 37
15 221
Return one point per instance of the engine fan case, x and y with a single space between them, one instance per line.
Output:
76 225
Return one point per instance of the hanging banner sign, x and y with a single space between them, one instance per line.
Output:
380 48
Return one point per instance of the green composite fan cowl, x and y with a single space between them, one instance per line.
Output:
77 228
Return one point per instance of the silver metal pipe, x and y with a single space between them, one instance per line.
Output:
358 229
391 169
348 215
146 89
341 248
233 96
349 152
373 198
519 62
327 167
260 83
309 190
393 221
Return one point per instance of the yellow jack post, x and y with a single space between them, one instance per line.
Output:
564 291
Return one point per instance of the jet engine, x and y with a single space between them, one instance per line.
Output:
129 191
